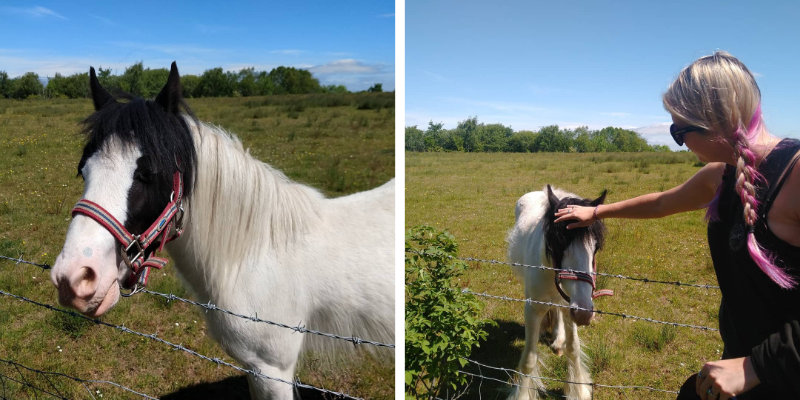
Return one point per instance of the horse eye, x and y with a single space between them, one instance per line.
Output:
143 176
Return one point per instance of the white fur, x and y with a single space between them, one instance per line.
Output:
526 245
259 244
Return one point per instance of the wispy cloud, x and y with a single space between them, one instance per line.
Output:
34 12
354 74
288 52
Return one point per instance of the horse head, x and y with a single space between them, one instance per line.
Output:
138 162
574 250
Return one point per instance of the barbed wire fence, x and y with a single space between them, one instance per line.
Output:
53 391
511 377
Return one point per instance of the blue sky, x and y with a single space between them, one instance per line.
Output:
528 64
349 43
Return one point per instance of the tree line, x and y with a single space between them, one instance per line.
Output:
471 136
146 82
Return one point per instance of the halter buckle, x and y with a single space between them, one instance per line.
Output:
139 250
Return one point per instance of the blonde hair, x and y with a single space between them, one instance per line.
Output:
718 93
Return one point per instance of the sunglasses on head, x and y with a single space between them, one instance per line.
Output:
679 133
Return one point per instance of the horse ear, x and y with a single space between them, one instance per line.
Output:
601 199
551 198
171 95
100 96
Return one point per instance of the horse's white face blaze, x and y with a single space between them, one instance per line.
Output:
579 256
88 271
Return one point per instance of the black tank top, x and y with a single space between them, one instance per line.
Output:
752 307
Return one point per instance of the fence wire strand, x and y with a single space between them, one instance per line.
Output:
153 337
210 306
46 374
301 329
509 372
616 276
531 301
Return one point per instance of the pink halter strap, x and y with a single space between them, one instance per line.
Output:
172 216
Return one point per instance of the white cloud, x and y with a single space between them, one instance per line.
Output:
35 12
348 66
288 52
354 74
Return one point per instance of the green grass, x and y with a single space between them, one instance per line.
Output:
338 143
473 196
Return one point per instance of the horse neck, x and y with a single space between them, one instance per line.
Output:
241 210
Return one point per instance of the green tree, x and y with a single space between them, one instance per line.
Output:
246 82
215 83
522 142
5 85
26 86
415 139
189 84
153 81
132 81
494 137
376 88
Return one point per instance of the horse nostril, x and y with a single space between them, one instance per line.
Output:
84 282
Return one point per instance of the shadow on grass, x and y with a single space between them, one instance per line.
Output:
499 350
233 388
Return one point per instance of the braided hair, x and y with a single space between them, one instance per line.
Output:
719 94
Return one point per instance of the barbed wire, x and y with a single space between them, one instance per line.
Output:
509 371
300 329
21 261
617 314
153 337
210 306
617 276
73 378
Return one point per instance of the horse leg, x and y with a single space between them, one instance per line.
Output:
529 362
262 388
576 367
557 316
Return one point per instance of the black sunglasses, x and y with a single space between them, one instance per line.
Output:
679 133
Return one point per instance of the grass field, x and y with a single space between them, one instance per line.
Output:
473 196
338 143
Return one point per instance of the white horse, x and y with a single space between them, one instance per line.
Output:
252 241
537 240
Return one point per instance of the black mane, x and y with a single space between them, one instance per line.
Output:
159 129
556 235
163 138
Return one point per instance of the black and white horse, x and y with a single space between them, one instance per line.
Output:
243 236
537 240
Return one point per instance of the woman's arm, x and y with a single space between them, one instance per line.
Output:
693 194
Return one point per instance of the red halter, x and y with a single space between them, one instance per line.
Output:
581 276
172 216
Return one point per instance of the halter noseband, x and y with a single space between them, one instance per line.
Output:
588 277
172 216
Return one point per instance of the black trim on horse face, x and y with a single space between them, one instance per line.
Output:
159 130
557 237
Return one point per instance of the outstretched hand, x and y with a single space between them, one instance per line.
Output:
725 379
584 216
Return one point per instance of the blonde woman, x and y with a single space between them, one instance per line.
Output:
750 189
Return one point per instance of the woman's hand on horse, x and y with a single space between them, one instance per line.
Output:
726 378
584 216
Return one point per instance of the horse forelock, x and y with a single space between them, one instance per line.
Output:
558 238
165 142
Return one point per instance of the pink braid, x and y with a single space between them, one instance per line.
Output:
746 176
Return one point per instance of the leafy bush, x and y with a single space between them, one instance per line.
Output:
442 322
